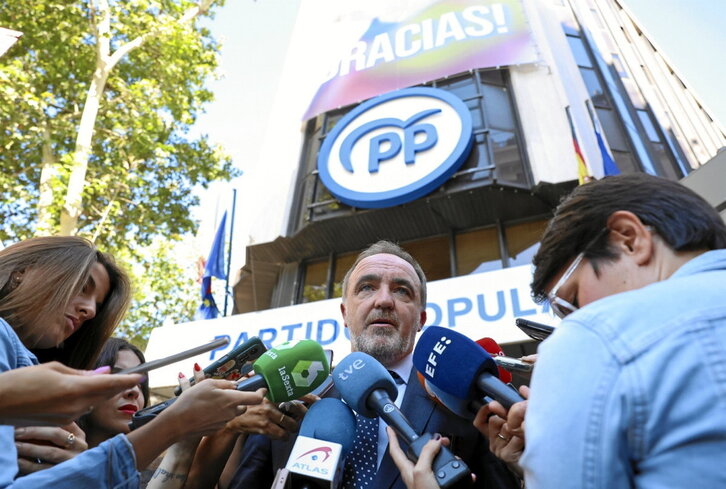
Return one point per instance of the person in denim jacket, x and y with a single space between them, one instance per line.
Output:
630 390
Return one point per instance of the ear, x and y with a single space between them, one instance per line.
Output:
16 278
630 236
422 320
342 311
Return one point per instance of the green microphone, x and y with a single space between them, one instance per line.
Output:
289 371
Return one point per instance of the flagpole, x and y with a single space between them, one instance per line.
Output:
229 250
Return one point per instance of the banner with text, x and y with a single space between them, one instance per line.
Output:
406 46
478 305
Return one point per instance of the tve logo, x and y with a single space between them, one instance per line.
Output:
396 148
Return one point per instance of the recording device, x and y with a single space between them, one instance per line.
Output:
235 364
506 364
177 357
536 331
457 365
368 388
513 364
326 436
320 391
495 351
288 371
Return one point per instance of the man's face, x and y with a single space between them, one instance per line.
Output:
382 307
584 286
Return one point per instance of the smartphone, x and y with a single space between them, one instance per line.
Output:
513 364
536 331
235 364
177 357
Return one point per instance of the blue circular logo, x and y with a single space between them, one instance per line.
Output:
396 148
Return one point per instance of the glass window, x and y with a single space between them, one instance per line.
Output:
625 161
613 132
342 264
478 158
647 122
664 162
315 285
477 251
523 241
579 51
506 157
477 118
594 87
619 67
464 87
497 107
433 256
492 77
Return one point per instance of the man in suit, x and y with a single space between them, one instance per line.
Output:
384 307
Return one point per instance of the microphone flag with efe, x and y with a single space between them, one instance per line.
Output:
457 365
325 437
369 388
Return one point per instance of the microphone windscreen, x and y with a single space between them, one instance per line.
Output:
330 420
292 369
460 407
451 361
493 348
357 376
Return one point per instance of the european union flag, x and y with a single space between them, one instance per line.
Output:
214 268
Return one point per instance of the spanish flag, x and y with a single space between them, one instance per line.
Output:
583 173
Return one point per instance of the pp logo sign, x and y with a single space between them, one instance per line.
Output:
396 148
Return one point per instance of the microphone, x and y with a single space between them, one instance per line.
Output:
492 348
288 371
464 408
326 436
458 366
368 388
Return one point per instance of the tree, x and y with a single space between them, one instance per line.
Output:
96 104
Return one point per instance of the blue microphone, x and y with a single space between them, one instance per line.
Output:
326 436
458 366
367 386
464 408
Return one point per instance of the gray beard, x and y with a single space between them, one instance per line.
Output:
386 346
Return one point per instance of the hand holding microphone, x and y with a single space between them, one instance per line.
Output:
368 388
288 372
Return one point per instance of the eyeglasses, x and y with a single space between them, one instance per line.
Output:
560 306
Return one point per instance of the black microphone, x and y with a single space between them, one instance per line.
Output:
368 388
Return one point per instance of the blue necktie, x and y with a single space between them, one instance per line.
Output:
361 465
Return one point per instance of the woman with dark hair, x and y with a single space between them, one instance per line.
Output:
112 417
42 447
62 291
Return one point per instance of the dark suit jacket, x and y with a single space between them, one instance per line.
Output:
262 456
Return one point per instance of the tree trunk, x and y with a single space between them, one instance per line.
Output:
74 194
45 199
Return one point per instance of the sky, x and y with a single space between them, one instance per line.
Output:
255 35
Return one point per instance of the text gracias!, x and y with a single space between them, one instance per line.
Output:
463 309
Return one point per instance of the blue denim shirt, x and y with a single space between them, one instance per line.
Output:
630 391
112 464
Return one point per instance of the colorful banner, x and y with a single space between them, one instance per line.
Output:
441 39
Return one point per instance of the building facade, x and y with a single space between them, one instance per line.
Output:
545 93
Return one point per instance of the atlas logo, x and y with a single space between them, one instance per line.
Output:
317 453
432 360
396 148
